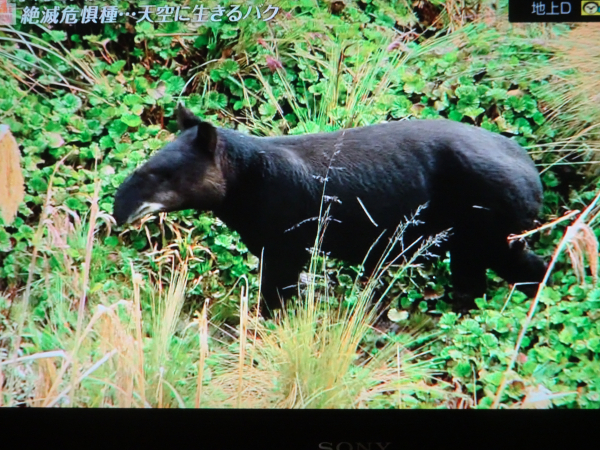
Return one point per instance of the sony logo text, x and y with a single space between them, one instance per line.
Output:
354 445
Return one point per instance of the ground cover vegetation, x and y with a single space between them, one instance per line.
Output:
164 314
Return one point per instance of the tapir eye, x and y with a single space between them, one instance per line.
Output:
157 176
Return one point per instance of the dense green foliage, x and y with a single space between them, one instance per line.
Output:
103 98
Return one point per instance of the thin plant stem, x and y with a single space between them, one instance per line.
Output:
570 232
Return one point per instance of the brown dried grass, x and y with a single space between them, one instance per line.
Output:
583 246
573 88
12 185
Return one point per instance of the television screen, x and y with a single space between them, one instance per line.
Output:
345 204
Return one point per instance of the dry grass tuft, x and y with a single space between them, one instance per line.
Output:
573 87
12 186
202 322
577 50
583 244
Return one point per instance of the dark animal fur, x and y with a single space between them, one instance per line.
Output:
482 185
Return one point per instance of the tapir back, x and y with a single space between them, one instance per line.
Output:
390 169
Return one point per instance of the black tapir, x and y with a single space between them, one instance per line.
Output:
481 185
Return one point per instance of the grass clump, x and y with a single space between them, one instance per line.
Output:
134 348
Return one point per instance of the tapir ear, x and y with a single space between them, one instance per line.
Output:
185 118
207 137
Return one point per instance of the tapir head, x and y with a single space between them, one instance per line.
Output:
185 174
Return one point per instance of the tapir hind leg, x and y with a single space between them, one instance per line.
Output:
468 264
516 264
